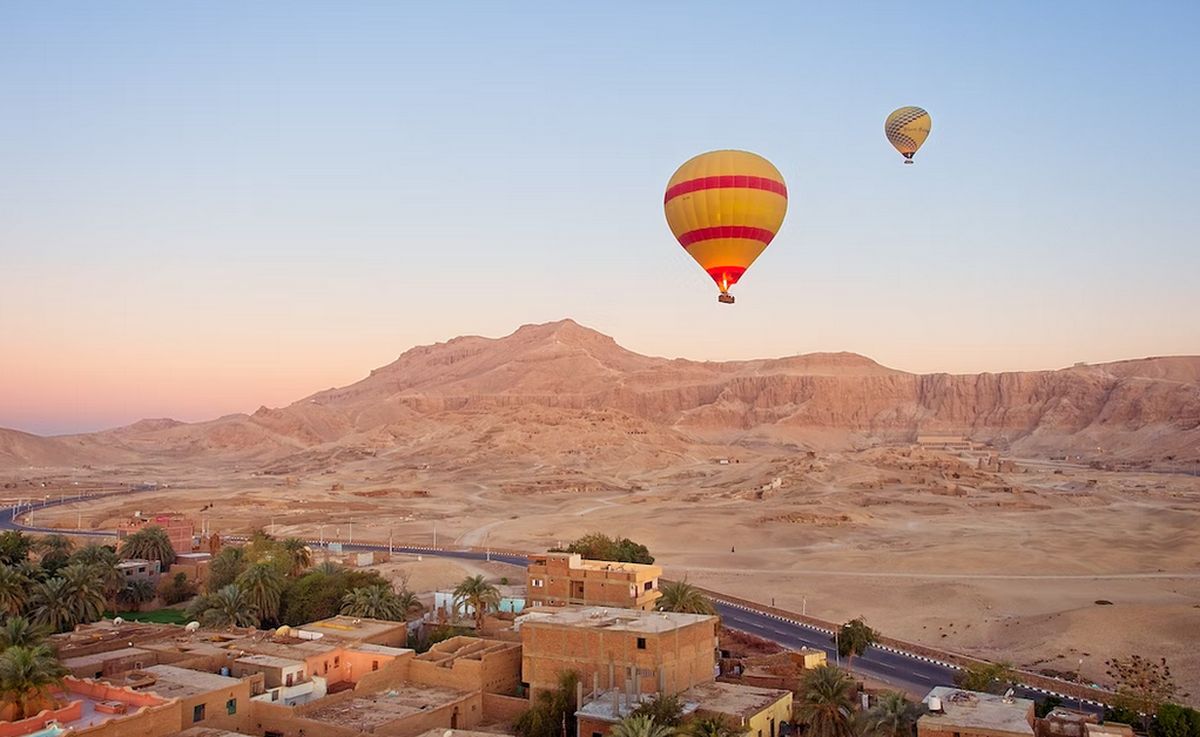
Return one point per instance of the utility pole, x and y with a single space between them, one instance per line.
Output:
321 535
351 540
837 648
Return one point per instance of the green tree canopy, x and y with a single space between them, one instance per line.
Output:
854 638
986 677
640 725
51 605
665 709
227 608
262 584
177 589
56 550
893 715
1173 720
149 543
136 592
553 711
27 674
20 632
714 726
681 596
225 567
826 702
598 546
14 547
319 593
482 597
1143 685
14 590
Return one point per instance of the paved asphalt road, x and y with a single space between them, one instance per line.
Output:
913 673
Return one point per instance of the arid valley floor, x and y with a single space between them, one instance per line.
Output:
1070 532
1003 565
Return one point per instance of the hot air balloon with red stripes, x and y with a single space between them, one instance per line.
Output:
724 207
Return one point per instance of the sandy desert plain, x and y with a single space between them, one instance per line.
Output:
1037 561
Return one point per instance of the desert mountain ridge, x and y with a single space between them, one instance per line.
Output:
559 390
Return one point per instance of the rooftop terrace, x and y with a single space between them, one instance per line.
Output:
367 712
594 617
972 710
732 698
352 628
173 682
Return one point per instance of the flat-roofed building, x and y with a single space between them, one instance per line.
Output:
97 709
609 648
400 709
357 629
276 671
112 662
202 696
954 712
139 568
757 711
600 711
558 579
470 663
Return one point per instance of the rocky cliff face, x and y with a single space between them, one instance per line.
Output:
1147 409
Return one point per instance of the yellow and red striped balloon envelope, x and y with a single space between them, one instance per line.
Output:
724 207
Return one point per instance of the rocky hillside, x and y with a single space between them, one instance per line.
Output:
550 391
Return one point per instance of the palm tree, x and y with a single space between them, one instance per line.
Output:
14 590
26 675
893 716
85 591
149 543
93 554
329 568
136 592
225 567
479 595
52 606
826 703
373 602
638 725
681 596
854 638
20 632
299 555
716 726
409 602
56 549
553 713
14 547
228 607
262 584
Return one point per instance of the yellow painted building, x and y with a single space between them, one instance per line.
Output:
759 711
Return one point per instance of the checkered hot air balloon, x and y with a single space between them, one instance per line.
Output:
907 128
724 207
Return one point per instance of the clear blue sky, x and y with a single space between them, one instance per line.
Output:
209 206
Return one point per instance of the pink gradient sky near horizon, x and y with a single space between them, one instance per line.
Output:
205 208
